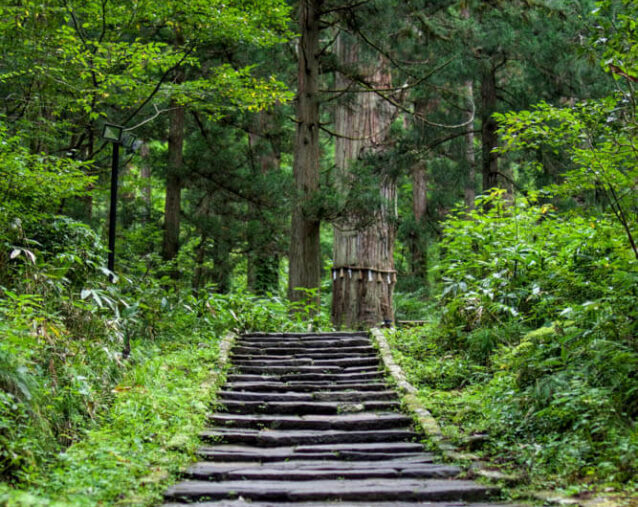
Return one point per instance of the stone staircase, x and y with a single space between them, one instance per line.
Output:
309 420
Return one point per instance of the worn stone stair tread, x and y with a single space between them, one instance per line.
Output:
305 386
323 489
306 335
305 407
304 377
277 438
318 470
350 396
318 344
360 452
317 356
366 421
249 503
386 447
301 361
307 351
261 455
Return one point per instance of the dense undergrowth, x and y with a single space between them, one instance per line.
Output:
100 383
533 341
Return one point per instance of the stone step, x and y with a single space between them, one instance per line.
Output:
351 396
304 386
321 356
249 503
302 408
279 438
367 421
304 336
268 370
307 351
304 471
306 377
330 490
307 361
352 452
319 344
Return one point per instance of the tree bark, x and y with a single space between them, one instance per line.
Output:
489 137
418 243
145 173
363 272
173 183
419 246
305 253
174 169
263 259
470 159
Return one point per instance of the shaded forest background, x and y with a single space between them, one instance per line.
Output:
488 146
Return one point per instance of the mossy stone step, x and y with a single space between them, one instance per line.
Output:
287 350
339 396
331 490
278 438
305 407
304 471
354 452
354 422
301 361
305 386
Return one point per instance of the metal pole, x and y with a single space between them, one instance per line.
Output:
113 210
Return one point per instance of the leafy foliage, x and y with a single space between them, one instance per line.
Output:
538 325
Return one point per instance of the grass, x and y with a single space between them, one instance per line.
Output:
469 399
135 449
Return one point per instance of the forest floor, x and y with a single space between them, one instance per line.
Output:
150 433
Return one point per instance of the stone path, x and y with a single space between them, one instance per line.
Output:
309 420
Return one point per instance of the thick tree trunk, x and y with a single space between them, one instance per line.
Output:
305 253
489 137
363 272
173 183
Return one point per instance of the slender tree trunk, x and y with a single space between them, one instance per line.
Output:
489 137
222 267
418 244
173 183
305 253
263 260
470 159
174 168
363 273
145 173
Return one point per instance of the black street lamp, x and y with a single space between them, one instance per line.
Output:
117 136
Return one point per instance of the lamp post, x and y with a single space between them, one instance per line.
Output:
117 136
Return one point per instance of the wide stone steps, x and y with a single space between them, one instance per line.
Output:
360 490
309 420
331 396
275 438
306 387
326 469
353 422
232 453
